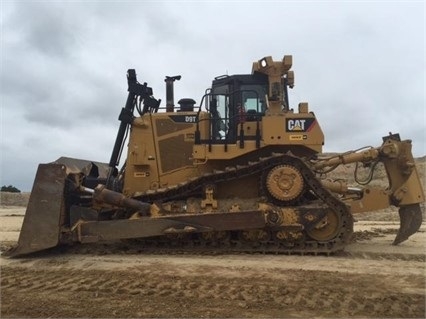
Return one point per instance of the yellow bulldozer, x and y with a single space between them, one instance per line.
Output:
242 171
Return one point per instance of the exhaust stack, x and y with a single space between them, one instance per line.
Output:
170 99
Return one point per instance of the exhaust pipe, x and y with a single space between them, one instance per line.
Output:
170 99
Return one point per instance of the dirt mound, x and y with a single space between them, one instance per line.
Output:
14 199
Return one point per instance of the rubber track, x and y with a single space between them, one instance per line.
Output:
195 185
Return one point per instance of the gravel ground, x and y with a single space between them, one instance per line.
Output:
370 279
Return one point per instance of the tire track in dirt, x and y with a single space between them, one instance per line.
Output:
322 293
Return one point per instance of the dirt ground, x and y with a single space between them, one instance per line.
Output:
370 279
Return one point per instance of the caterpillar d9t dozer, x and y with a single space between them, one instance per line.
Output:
240 172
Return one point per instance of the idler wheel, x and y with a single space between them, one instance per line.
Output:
328 228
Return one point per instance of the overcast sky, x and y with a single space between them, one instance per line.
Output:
360 65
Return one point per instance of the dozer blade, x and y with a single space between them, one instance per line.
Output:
43 218
410 221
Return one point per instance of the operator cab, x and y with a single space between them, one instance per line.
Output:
233 100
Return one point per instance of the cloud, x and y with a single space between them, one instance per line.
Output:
359 65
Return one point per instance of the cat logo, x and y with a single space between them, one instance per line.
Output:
296 125
300 125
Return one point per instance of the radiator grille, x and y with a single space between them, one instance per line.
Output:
175 153
167 126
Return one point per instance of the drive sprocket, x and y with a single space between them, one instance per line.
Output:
283 184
